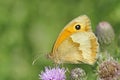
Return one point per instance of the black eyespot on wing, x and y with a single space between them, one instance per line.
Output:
77 27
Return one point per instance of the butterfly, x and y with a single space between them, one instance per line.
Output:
76 43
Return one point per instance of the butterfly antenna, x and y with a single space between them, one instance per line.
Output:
35 60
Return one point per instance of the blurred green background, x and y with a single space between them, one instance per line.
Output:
28 29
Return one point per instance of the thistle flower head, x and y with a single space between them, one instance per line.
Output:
78 74
109 70
53 74
104 33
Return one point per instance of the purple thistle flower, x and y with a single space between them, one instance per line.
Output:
53 74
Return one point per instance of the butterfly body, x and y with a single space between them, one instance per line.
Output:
76 43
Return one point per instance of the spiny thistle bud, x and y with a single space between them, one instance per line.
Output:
78 74
104 33
109 70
